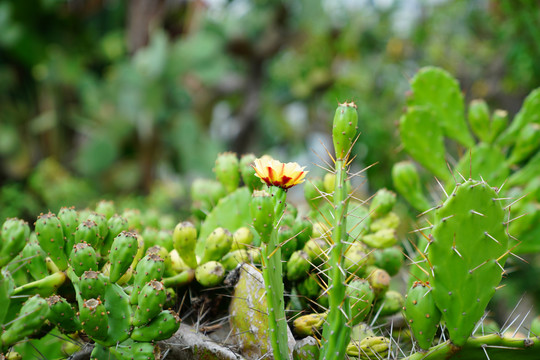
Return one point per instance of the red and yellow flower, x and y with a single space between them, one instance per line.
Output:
275 173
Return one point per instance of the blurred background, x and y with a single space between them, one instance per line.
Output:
130 100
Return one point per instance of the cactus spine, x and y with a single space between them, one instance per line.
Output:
337 330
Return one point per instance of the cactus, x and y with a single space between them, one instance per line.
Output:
122 254
61 314
185 240
151 267
69 218
210 273
94 319
15 233
217 245
422 313
35 263
150 302
228 171
163 326
83 258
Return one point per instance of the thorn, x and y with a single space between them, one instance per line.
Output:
457 252
463 177
451 172
485 351
519 257
491 237
442 188
482 264
422 229
448 217
425 212
500 188
361 171
515 201
477 213
520 216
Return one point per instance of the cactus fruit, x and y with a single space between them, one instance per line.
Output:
31 318
382 203
357 258
88 232
162 327
151 267
407 182
388 221
361 297
150 303
262 213
106 207
92 284
381 239
69 218
185 240
422 313
227 170
308 325
83 258
468 237
122 254
249 177
34 258
50 236
499 122
234 258
344 128
372 347
102 225
116 225
94 318
389 259
389 304
242 238
379 281
62 315
218 244
210 273
316 250
298 265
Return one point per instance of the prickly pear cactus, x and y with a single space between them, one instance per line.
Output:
467 251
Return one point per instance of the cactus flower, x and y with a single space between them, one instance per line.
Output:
275 173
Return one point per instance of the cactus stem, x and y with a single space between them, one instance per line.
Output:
422 229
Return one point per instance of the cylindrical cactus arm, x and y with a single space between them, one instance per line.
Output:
337 330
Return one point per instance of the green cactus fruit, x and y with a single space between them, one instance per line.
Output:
379 281
390 259
303 228
116 224
407 182
106 208
361 297
94 319
151 267
469 236
381 239
423 139
150 303
309 325
82 258
162 327
231 260
242 238
122 254
383 202
390 303
287 241
329 183
309 287
298 265
69 218
165 239
316 250
210 274
247 171
50 236
162 253
312 192
34 258
177 264
31 318
262 214
479 121
227 170
306 349
92 284
102 224
527 143
356 258
422 313
185 240
88 232
370 348
134 219
344 128
499 122
62 315
217 245
388 221
527 114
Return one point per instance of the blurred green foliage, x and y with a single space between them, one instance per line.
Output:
119 98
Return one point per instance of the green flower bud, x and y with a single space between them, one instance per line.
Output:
344 128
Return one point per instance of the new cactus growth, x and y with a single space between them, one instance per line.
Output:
83 258
218 244
163 326
50 236
227 170
151 267
150 302
422 313
122 253
94 319
210 273
61 314
185 239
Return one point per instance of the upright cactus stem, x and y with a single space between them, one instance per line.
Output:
267 211
337 330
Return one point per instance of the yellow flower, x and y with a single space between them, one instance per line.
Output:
275 173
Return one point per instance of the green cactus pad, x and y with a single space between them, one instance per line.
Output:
123 251
35 263
423 139
62 315
83 258
529 113
94 319
69 217
151 267
119 315
479 121
437 89
150 302
467 252
162 327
